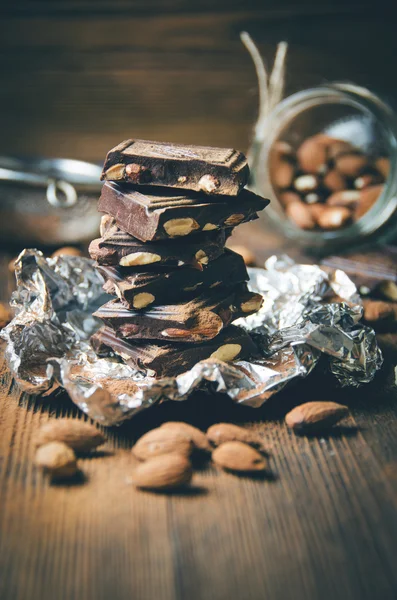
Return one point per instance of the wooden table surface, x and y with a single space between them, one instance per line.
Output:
324 526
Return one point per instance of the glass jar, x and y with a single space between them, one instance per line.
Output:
345 112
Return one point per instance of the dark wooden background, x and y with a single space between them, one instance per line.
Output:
79 76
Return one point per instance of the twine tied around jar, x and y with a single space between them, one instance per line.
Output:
271 85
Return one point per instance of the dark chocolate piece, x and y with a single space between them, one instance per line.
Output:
163 359
200 319
139 290
198 168
159 213
119 248
374 272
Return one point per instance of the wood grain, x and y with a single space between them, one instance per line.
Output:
325 526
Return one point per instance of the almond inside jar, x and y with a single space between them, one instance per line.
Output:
326 184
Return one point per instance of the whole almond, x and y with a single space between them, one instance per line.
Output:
197 436
346 198
368 197
221 433
79 435
334 181
163 441
334 217
239 457
282 174
57 459
338 147
351 164
383 166
313 152
288 197
313 416
378 310
281 163
300 214
162 473
316 210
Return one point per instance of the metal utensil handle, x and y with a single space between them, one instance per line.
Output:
68 197
54 186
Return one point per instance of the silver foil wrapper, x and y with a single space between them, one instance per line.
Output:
47 343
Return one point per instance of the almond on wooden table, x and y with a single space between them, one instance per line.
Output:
197 436
162 473
228 432
79 435
239 457
379 311
163 441
313 416
57 459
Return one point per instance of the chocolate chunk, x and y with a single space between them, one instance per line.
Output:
200 319
374 272
119 248
134 288
198 168
159 213
163 359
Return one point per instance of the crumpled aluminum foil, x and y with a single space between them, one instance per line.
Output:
48 340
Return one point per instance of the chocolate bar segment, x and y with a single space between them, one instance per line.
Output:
139 290
159 213
374 271
198 168
116 247
198 320
162 359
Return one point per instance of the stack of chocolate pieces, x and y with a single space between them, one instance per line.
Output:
168 211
